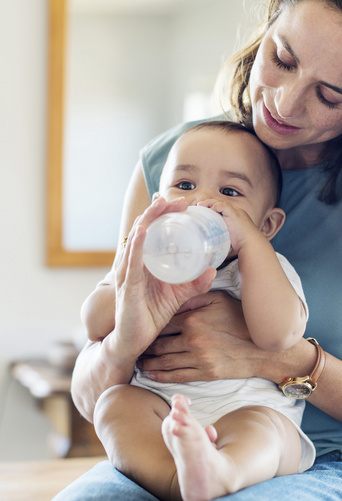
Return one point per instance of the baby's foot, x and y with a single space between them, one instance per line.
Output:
194 453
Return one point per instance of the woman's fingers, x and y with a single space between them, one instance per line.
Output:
168 362
121 261
159 207
176 376
135 266
202 284
205 349
130 266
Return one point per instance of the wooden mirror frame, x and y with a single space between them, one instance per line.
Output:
56 254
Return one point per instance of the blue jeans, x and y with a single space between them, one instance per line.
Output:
323 482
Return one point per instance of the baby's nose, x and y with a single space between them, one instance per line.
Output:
203 196
208 202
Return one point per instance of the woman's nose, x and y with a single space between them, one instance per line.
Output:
289 102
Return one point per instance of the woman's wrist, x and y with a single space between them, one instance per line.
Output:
97 369
297 361
117 359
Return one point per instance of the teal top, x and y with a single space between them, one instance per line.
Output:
311 240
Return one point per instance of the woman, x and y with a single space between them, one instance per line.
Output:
288 83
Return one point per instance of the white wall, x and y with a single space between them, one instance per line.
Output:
39 305
115 93
127 77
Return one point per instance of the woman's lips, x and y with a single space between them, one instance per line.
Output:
276 126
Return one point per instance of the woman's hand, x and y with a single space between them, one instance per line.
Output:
212 343
144 304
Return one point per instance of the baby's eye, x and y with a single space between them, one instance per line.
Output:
185 185
229 192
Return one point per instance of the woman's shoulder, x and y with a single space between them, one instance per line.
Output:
153 156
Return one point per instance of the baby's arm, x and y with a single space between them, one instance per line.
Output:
274 313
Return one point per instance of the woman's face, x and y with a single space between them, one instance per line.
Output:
296 79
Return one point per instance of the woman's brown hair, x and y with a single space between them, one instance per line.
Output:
233 85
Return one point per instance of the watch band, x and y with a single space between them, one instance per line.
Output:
302 387
320 363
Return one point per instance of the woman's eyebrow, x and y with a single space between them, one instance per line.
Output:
333 87
287 46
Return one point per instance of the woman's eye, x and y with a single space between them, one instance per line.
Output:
186 185
229 192
281 64
325 101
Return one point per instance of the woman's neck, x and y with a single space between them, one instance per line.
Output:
300 157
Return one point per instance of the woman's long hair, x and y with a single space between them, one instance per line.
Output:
233 88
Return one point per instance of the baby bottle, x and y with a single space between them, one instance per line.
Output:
180 246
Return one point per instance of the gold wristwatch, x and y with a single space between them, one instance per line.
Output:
302 387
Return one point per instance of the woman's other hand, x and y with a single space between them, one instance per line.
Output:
207 340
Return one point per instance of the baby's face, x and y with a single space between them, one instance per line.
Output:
213 164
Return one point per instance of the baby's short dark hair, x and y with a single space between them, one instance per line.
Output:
274 167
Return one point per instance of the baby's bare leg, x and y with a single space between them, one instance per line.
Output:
254 444
128 422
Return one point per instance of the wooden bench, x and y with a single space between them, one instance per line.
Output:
41 480
49 385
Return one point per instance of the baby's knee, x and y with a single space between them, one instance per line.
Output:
111 401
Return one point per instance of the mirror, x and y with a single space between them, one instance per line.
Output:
121 72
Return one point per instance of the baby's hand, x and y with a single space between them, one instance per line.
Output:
242 229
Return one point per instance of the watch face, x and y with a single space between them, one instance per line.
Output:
297 390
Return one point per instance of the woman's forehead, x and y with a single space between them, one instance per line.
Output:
312 28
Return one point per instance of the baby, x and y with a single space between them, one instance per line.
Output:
238 432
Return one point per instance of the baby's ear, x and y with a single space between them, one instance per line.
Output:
155 196
274 220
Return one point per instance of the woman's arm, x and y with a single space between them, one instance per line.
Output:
195 357
144 306
214 344
93 374
300 361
